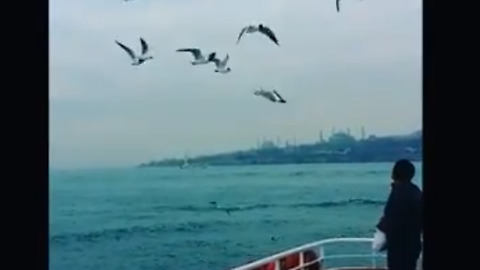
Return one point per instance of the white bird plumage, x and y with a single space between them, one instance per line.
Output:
273 95
137 59
221 65
258 28
198 57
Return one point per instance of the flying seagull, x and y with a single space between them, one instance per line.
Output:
258 28
221 65
273 96
214 204
137 59
199 58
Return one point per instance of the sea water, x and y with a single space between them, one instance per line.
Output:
162 218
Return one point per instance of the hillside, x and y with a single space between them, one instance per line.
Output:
340 147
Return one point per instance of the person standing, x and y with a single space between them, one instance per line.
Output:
402 220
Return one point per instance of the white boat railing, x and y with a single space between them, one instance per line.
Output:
319 248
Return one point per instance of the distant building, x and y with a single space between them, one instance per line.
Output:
320 135
342 139
268 145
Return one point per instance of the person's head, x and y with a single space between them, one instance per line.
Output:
403 171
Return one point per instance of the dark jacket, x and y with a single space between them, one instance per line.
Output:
402 220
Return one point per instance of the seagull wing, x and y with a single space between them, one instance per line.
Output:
266 94
216 61
270 96
224 62
127 49
338 5
241 34
211 56
278 96
269 33
197 53
144 46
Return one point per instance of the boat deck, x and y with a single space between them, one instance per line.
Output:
313 256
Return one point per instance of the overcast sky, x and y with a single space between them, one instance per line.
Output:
362 66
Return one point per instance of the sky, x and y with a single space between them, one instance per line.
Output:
359 67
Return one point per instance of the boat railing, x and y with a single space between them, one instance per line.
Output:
321 255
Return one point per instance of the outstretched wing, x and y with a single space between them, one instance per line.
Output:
144 46
338 5
224 62
266 94
270 96
269 33
280 98
241 34
216 61
197 53
211 56
127 49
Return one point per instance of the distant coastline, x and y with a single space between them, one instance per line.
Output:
339 148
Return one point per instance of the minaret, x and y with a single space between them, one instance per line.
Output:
363 133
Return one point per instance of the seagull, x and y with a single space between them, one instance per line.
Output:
137 59
214 204
199 58
273 96
221 65
258 28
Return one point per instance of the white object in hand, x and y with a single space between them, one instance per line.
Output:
379 241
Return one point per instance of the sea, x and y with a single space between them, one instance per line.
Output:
166 218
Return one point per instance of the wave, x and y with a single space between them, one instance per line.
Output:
327 204
119 233
302 173
195 227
